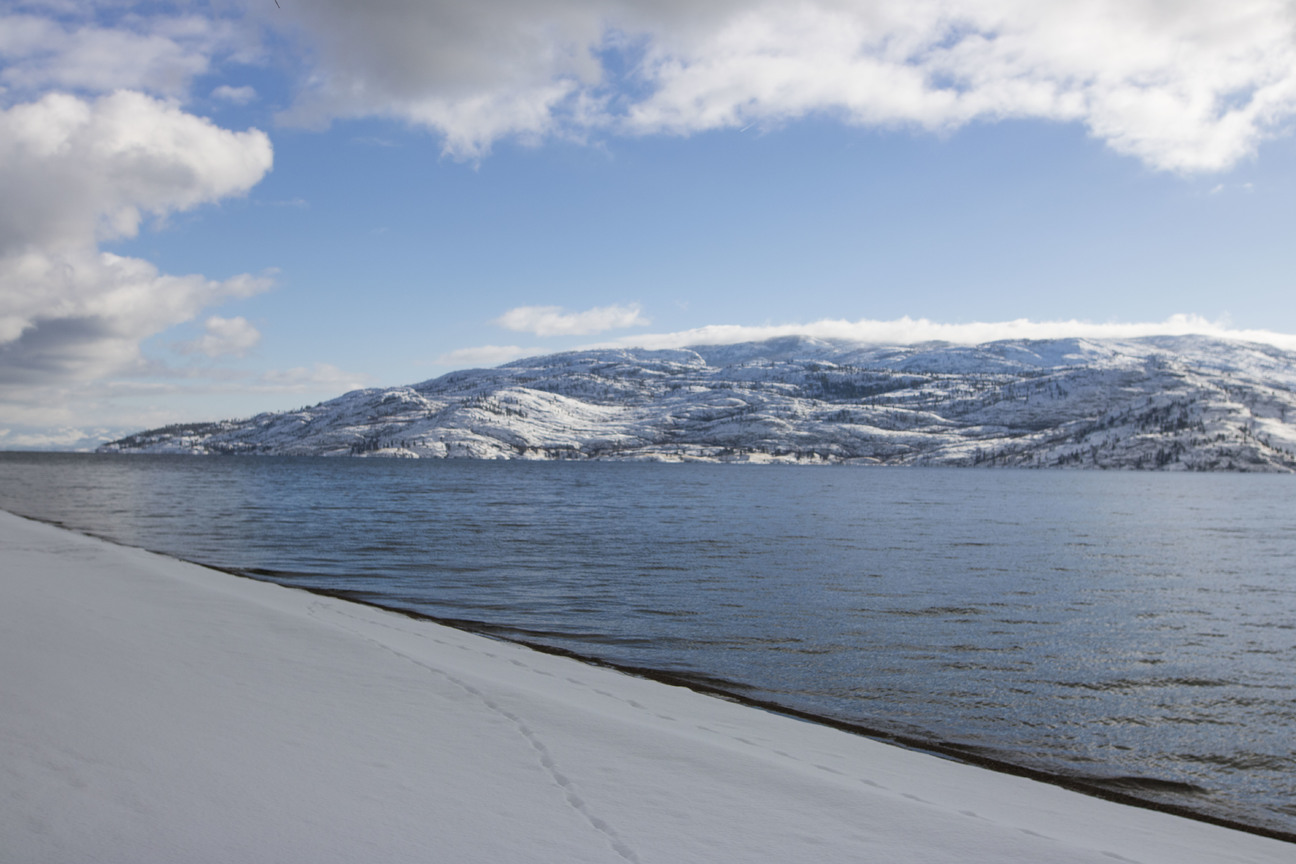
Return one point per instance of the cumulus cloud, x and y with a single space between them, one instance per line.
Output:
555 321
1185 86
475 72
304 379
485 355
77 171
159 53
235 95
232 337
75 317
1188 86
910 331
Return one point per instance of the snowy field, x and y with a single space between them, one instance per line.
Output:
157 711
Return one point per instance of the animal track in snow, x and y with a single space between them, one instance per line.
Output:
545 758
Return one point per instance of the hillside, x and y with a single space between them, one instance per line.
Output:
1183 402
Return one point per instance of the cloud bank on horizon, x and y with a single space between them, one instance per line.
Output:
107 130
901 331
908 331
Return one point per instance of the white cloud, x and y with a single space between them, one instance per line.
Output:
235 95
554 321
901 331
485 355
306 379
57 416
232 337
62 438
909 331
77 317
1184 86
1187 86
475 72
74 172
159 54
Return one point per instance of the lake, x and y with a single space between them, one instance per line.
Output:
1134 630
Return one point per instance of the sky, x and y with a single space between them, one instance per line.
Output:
212 209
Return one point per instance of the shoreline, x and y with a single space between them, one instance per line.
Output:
699 684
1095 787
543 717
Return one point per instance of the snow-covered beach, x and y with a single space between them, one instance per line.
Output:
157 711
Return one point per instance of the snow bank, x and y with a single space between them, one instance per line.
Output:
156 711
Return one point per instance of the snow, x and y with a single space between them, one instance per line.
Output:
1171 403
155 711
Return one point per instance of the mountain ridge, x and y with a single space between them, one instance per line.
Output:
1161 402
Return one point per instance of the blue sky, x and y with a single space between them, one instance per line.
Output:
210 211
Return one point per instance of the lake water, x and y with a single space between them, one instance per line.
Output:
1134 629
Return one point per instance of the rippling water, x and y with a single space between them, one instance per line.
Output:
1134 628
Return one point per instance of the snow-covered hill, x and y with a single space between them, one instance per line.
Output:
1182 402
